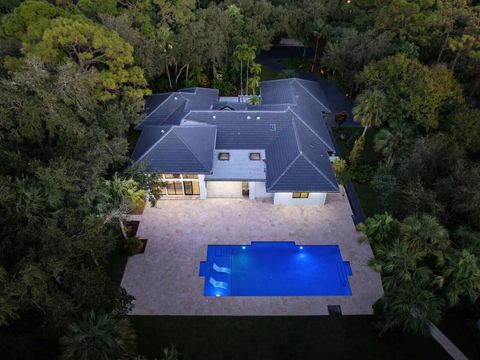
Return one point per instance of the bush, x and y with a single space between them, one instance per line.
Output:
357 150
132 245
361 173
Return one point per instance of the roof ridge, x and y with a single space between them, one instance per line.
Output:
308 91
284 171
309 128
146 117
249 111
154 144
321 172
274 80
297 140
188 147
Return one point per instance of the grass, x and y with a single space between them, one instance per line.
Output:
454 326
320 337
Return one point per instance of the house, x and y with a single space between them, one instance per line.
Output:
207 147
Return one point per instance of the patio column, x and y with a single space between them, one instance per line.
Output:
203 188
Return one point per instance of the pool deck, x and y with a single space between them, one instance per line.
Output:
165 281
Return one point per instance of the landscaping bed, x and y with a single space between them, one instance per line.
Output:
345 137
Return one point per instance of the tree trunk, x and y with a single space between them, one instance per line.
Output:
241 77
186 73
364 131
455 62
214 71
315 56
475 86
122 227
444 46
180 73
168 76
248 70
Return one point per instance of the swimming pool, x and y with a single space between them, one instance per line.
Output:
267 268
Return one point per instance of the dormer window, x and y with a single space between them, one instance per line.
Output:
224 156
255 156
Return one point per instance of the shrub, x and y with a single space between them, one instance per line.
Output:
361 173
132 245
357 150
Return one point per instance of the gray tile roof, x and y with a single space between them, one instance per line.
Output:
297 161
229 105
181 149
179 135
243 129
171 109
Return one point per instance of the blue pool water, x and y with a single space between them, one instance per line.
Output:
275 269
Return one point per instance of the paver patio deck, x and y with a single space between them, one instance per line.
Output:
165 281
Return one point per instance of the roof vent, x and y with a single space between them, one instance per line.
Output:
312 145
175 98
249 117
258 117
162 131
273 127
214 117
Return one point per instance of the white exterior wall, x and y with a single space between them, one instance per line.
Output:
257 190
202 186
286 199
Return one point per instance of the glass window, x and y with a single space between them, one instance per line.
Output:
300 195
196 188
190 176
191 188
174 188
255 156
224 156
172 176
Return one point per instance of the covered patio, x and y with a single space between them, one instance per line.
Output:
165 281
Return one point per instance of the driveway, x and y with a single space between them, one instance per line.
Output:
165 281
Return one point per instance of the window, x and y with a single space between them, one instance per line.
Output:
190 176
300 195
191 188
224 156
174 188
255 156
171 176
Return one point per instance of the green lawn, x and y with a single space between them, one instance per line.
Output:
321 337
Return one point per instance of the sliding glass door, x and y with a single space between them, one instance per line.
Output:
191 188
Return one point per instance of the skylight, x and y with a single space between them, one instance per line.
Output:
224 156
255 156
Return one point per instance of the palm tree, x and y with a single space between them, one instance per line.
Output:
370 109
99 338
423 233
462 275
256 70
388 141
411 309
380 229
249 58
320 30
400 266
239 54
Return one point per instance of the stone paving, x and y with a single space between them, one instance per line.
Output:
165 281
